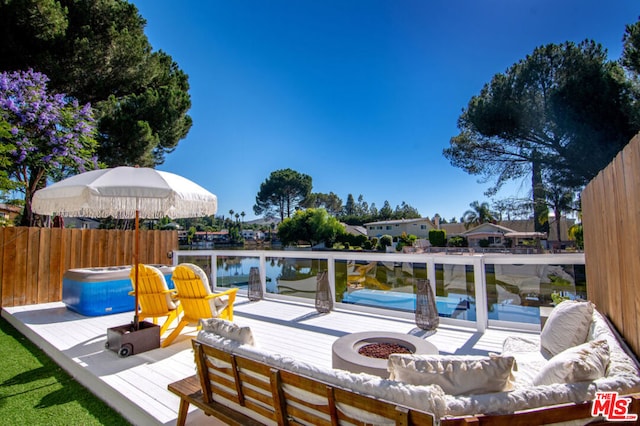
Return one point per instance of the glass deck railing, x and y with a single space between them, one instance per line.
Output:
482 289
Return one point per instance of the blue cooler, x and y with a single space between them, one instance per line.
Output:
102 291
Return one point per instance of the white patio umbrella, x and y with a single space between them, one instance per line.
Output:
126 193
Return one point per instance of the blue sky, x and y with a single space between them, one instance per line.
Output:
361 95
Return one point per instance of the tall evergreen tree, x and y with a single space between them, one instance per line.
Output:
330 202
386 212
631 51
97 52
350 206
282 193
560 114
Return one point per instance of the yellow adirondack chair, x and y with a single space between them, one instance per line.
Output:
197 300
154 296
358 276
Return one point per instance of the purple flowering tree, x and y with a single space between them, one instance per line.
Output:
49 135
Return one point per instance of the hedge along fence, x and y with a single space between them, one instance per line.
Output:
35 259
611 223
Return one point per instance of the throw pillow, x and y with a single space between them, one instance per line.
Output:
228 330
584 362
567 326
456 375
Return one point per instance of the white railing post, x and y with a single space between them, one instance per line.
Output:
431 272
263 271
331 271
480 278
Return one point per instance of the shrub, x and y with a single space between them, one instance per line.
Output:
367 245
576 234
405 240
438 237
360 239
458 241
351 239
384 242
312 225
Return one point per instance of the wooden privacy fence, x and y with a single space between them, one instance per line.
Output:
611 223
34 259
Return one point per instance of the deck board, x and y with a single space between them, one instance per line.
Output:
136 386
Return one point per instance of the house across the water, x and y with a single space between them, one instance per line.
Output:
508 233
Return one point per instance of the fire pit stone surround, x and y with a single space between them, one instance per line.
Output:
345 354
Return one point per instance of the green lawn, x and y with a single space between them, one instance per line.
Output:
34 390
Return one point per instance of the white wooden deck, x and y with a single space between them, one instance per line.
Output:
136 386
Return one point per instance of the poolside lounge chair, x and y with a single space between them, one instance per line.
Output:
197 300
154 296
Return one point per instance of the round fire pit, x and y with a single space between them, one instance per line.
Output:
345 354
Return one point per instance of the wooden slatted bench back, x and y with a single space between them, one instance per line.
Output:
285 397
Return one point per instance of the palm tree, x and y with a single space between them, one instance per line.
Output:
479 213
561 200
243 214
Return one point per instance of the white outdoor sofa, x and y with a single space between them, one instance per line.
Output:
553 379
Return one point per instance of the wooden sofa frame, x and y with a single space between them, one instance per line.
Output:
238 381
268 398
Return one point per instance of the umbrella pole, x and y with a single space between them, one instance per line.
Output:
135 265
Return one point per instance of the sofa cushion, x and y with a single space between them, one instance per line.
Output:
228 330
567 326
580 363
456 375
528 366
521 344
